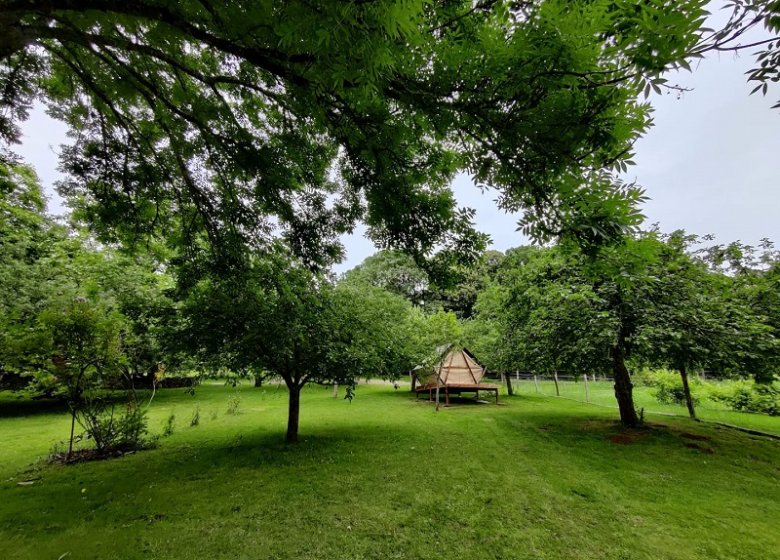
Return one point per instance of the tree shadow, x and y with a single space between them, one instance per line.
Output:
14 404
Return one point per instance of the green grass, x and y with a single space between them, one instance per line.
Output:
388 477
602 393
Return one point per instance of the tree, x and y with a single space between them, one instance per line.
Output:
571 309
79 344
748 276
555 319
393 271
23 240
280 319
220 126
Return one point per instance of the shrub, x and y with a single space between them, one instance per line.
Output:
748 396
112 431
233 403
168 428
669 387
643 377
195 420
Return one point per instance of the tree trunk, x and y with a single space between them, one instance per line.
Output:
72 430
508 378
555 378
293 412
623 389
258 381
687 391
414 380
335 390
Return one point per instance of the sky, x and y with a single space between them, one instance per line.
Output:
710 164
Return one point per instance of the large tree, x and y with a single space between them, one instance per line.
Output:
224 124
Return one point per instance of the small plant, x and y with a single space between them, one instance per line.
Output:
56 452
195 420
168 428
234 401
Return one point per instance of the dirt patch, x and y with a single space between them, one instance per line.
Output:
695 437
84 455
627 437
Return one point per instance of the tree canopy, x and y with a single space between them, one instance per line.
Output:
221 126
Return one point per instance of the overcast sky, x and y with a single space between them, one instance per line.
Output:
710 164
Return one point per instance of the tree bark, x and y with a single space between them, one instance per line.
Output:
414 381
335 390
293 412
623 389
258 381
508 378
555 378
687 391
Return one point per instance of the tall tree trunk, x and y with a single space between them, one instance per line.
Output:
687 391
508 378
414 380
293 412
258 381
623 388
555 378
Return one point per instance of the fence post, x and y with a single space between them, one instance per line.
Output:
587 394
536 383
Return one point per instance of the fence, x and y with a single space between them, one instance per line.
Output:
599 391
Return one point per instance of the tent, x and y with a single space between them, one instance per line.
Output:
457 372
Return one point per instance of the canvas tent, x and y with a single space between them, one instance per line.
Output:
457 372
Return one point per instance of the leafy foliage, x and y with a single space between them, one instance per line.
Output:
280 319
217 127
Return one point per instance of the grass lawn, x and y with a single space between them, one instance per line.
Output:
388 477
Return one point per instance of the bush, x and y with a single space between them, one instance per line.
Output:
748 396
112 431
643 377
669 387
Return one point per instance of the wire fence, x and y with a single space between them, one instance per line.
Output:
599 391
